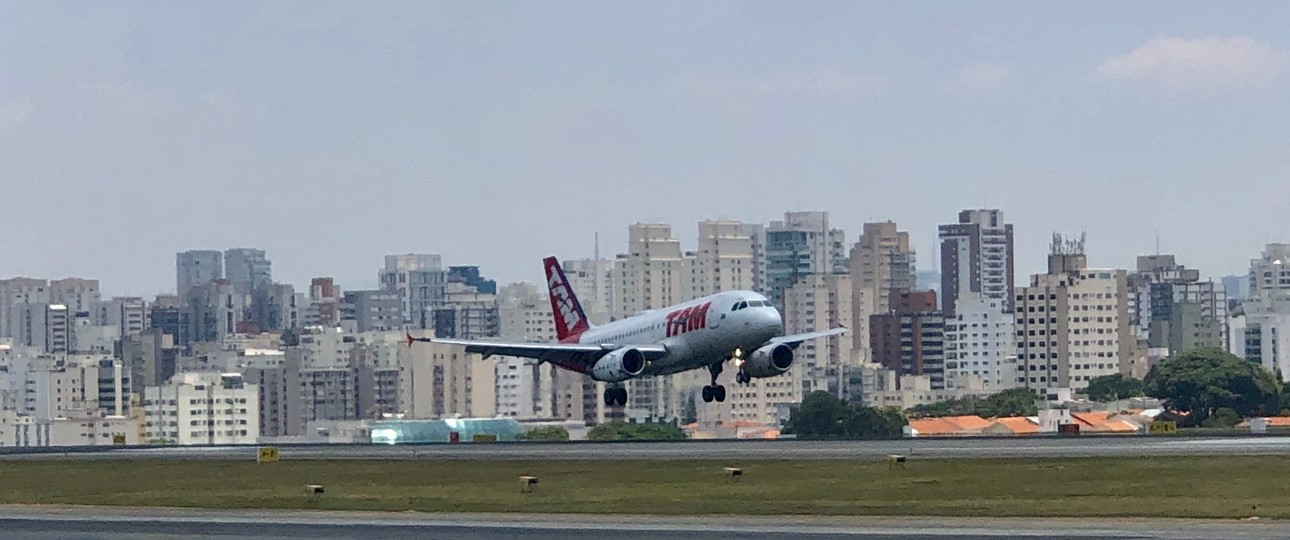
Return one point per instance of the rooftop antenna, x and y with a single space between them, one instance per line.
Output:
1157 242
597 250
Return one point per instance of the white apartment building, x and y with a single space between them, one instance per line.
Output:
325 348
202 408
724 260
127 314
526 389
1072 324
79 295
15 293
1263 333
442 381
979 343
593 281
653 274
1270 273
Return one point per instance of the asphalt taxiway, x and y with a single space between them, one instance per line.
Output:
74 523
1030 447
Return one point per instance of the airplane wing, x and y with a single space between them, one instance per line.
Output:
797 339
574 356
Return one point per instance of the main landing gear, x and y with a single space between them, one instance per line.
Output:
714 391
615 395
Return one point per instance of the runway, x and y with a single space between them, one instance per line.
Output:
42 523
75 522
956 448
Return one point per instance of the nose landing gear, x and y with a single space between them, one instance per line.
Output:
742 377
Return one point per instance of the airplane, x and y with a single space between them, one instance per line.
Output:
702 333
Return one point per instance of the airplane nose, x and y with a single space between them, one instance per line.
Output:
773 321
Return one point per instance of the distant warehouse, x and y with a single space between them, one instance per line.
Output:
447 430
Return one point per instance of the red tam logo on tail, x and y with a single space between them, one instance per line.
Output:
570 320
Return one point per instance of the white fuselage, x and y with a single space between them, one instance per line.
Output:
697 333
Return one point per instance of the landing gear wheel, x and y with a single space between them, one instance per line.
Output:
707 394
615 397
719 393
742 378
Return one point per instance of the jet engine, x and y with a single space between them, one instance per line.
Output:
769 361
619 365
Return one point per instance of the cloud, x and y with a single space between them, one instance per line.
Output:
813 82
981 78
1180 62
14 112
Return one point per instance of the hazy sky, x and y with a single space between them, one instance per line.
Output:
331 134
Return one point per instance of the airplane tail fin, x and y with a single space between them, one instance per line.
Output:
570 320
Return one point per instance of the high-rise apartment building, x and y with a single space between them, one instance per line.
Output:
910 338
79 295
801 245
466 313
127 314
323 307
202 408
1072 323
1262 334
275 307
526 388
215 309
593 281
724 260
882 262
653 274
197 267
371 311
15 294
1170 307
979 345
420 281
976 258
247 269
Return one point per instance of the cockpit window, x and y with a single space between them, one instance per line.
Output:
739 306
756 303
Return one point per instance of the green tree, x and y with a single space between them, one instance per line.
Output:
952 407
548 433
1014 402
623 431
1201 381
1224 417
1113 387
819 416
823 416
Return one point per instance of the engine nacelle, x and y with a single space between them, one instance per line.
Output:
619 365
769 361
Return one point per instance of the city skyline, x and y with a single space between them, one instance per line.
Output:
929 260
496 135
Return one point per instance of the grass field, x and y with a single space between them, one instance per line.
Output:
1229 487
